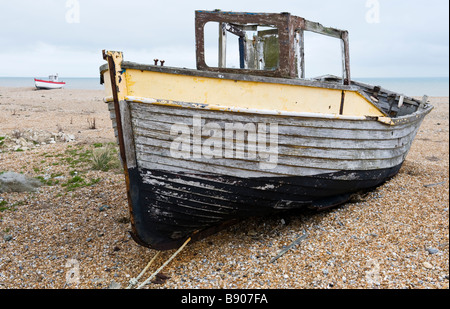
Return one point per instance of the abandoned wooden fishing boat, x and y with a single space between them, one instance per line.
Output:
203 147
51 83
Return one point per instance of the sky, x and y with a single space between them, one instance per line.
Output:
388 38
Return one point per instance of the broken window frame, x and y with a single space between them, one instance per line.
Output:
290 37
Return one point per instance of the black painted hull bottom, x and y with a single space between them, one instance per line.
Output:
167 208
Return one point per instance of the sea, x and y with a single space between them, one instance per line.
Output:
409 86
412 86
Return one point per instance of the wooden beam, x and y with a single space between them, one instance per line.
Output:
345 58
318 28
301 53
222 45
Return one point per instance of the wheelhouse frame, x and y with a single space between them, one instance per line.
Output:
290 36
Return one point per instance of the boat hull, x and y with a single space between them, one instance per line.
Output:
318 161
42 84
176 207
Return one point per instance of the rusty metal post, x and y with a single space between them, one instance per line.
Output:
115 88
112 75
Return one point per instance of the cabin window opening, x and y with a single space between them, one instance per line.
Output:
253 47
211 47
322 55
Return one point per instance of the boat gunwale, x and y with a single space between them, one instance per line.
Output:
241 77
312 82
232 76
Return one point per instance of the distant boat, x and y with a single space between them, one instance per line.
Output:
204 148
52 83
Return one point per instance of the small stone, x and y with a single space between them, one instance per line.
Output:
7 237
427 265
114 285
252 233
432 250
103 208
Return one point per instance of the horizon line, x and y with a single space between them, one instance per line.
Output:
305 78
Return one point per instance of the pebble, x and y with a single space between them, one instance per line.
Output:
427 265
432 250
104 207
114 285
32 138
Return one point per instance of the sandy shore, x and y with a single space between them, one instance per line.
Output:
66 236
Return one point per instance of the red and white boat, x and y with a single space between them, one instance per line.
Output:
52 83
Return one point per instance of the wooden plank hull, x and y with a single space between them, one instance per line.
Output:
317 162
169 207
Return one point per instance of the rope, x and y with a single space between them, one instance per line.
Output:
164 265
134 281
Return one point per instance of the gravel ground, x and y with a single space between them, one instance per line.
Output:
74 231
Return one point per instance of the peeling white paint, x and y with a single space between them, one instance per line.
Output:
266 187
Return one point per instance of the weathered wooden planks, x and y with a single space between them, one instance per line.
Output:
304 146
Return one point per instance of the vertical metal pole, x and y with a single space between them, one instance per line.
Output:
242 52
120 137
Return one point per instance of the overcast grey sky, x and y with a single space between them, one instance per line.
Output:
388 38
